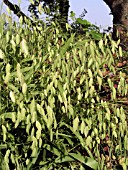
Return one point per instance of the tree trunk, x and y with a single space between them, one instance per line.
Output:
63 9
119 9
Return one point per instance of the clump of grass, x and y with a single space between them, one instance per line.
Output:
63 100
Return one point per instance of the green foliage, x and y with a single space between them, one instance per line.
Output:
59 106
85 28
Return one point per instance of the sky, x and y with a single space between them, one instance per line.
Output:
97 10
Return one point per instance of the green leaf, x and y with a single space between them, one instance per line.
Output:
85 160
83 22
82 141
12 87
96 35
65 48
90 162
66 158
52 149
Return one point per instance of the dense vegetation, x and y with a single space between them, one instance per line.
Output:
59 9
64 98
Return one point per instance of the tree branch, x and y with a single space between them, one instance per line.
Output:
17 11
